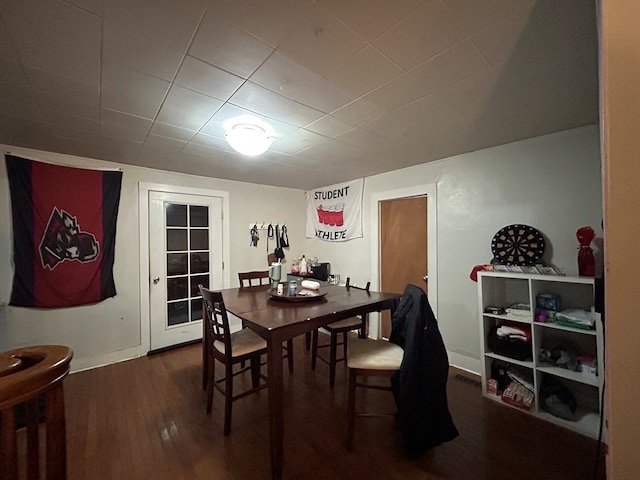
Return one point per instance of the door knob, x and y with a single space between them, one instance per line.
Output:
426 278
156 280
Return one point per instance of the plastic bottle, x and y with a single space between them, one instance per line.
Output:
303 266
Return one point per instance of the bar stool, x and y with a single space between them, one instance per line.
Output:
26 375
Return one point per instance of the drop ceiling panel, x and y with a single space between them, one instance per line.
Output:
187 109
426 32
206 79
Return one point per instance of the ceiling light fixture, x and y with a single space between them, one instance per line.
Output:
248 139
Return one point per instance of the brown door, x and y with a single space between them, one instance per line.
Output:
403 247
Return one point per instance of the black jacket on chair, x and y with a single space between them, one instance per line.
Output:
420 388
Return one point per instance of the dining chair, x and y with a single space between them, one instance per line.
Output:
229 349
367 357
247 280
341 327
254 278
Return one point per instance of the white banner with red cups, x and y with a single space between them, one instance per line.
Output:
334 213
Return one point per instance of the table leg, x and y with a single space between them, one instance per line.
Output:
276 414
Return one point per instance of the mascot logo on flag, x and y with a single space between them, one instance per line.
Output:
63 240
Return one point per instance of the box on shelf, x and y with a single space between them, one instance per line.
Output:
548 301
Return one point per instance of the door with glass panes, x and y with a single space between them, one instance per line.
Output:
185 249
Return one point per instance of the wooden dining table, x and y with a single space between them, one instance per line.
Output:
278 320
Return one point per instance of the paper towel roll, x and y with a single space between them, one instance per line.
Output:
310 285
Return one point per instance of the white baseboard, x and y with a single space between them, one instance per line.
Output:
87 363
465 363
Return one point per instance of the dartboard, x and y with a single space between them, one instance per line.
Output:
517 245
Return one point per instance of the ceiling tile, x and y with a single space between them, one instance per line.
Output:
216 124
171 131
120 150
227 47
296 113
364 72
359 112
77 147
63 87
93 6
187 109
162 145
297 141
128 91
426 32
258 99
56 37
320 42
203 78
52 106
119 131
207 141
75 128
128 47
329 126
170 22
499 42
124 120
474 16
8 52
371 18
291 79
26 133
18 101
269 21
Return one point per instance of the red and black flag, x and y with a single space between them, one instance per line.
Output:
64 233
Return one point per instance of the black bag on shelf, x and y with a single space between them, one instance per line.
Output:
509 347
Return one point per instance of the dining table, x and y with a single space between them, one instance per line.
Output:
279 319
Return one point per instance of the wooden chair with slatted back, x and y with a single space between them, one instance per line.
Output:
341 327
256 279
29 378
368 358
229 349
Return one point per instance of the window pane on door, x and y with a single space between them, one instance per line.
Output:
198 280
177 288
196 309
176 239
199 215
200 262
177 264
199 240
176 215
177 313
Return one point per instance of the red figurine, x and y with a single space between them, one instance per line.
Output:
586 260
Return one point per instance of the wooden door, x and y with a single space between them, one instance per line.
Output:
403 247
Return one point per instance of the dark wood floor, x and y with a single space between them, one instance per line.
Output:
145 419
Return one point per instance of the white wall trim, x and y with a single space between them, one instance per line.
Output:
430 190
143 209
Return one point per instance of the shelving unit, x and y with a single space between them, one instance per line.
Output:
501 289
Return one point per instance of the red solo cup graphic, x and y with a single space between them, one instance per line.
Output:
339 214
321 215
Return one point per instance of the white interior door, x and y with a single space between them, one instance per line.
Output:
185 249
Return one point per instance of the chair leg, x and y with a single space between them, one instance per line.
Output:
211 378
314 349
255 372
351 408
290 354
345 336
228 397
333 359
307 340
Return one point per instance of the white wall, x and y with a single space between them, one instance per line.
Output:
111 331
552 183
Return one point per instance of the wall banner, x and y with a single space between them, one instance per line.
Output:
64 233
334 213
